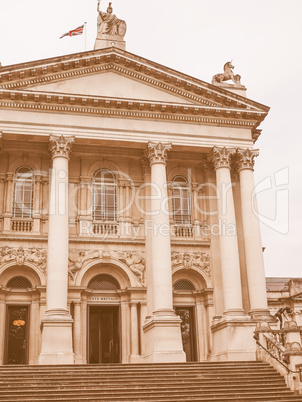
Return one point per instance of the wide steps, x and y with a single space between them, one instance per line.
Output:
225 381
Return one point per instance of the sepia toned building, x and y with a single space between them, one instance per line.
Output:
127 223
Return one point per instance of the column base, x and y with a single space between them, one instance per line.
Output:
233 339
56 338
262 315
163 338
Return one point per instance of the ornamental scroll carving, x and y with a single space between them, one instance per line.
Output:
134 260
20 256
190 260
60 145
157 152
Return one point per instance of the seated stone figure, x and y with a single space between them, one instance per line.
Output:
109 25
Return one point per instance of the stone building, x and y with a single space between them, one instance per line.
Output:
126 222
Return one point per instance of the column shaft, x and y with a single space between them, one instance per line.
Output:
229 253
134 330
252 236
161 242
57 322
57 279
162 331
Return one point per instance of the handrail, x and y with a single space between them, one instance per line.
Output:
279 361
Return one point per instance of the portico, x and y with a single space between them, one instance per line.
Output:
137 240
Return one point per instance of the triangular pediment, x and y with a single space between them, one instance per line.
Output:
115 82
109 84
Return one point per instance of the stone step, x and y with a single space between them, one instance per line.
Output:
143 387
248 381
146 396
159 382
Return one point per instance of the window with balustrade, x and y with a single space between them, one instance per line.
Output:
23 195
181 198
104 202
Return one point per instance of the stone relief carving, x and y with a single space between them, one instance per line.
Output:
134 260
188 260
227 74
22 255
109 25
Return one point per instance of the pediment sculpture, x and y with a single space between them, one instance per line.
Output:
109 26
227 74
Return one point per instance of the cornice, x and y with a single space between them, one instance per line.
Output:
43 71
128 108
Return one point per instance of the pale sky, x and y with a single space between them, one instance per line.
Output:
196 37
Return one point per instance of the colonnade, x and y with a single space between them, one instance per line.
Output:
162 327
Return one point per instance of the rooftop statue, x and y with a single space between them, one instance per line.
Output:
109 25
227 75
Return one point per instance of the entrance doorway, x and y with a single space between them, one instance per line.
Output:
17 328
103 337
187 331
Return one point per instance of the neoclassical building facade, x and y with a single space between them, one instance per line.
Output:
127 223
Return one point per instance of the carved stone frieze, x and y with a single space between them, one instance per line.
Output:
20 256
221 157
133 259
245 158
158 152
189 260
60 145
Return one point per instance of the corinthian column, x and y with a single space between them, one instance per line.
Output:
57 322
252 235
162 328
229 254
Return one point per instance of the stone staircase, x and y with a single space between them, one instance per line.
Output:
223 381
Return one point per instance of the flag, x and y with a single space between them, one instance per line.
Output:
74 32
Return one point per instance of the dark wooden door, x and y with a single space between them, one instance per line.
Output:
17 329
103 334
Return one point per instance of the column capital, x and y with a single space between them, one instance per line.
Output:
221 157
60 146
246 158
157 152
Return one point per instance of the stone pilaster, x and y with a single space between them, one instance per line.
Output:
162 328
57 322
230 267
252 235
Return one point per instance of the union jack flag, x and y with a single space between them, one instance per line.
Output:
74 32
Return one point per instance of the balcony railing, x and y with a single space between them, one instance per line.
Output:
21 225
183 231
105 228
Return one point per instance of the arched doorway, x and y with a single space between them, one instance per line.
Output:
19 315
103 322
193 301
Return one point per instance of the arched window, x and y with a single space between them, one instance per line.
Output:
183 284
19 282
103 282
181 196
23 196
104 196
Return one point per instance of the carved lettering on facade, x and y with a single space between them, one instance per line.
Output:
21 255
189 260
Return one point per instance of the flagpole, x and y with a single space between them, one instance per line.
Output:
85 35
